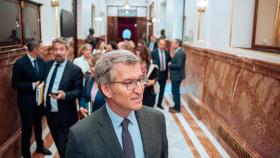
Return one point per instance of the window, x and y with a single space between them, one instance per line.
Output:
31 22
19 21
10 32
266 34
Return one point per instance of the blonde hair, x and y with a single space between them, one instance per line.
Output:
83 48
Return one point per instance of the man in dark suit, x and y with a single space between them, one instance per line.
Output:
161 58
177 73
152 44
123 128
28 73
64 84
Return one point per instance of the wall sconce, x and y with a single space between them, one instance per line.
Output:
202 5
54 3
201 8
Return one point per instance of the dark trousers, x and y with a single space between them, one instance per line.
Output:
162 83
29 117
176 94
60 135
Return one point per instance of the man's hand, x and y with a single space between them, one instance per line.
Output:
37 83
58 95
83 112
149 82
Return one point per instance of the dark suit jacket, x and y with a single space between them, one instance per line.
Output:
72 84
156 60
177 66
23 77
94 136
99 100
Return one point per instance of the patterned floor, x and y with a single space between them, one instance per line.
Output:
187 136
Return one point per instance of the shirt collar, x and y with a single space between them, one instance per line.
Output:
159 50
117 119
30 57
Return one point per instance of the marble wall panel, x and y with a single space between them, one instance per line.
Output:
237 95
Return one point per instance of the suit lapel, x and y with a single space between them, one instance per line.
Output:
146 133
41 69
107 133
48 68
65 76
166 59
30 68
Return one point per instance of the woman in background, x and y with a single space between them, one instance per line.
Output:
141 43
92 99
100 47
149 95
112 45
83 60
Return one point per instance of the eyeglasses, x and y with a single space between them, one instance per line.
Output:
131 84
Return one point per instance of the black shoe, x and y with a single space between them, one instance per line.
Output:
160 106
26 155
172 110
44 151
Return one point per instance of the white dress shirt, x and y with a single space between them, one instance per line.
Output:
82 63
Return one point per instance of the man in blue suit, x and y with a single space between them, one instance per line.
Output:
177 73
27 75
161 58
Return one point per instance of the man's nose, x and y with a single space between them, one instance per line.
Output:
139 88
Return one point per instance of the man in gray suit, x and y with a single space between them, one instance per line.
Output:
123 128
177 73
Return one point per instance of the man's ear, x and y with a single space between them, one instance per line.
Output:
106 90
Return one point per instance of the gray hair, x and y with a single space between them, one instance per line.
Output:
61 40
103 69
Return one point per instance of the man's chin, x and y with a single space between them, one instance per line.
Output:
136 107
59 60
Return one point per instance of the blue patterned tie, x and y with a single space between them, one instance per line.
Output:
128 147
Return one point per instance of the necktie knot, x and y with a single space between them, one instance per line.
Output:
125 123
57 65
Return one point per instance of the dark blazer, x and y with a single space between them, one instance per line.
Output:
94 136
72 84
149 96
177 66
99 100
23 77
156 60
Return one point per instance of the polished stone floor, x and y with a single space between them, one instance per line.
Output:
187 136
